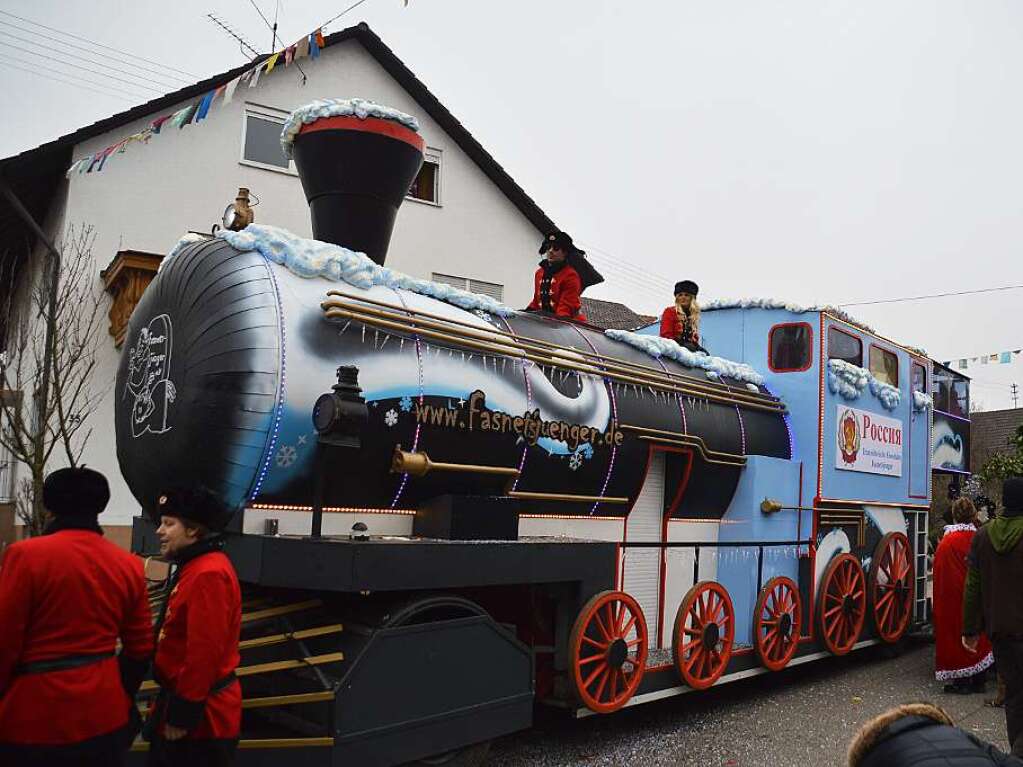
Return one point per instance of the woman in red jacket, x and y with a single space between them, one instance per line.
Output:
66 598
962 671
681 321
557 286
197 717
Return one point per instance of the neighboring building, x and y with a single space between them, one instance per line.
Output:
613 315
952 457
465 221
991 434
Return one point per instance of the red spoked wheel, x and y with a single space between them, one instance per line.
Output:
704 633
891 587
843 604
607 651
778 617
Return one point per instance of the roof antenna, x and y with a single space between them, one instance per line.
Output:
275 37
243 44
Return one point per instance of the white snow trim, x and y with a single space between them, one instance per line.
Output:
339 108
312 258
960 528
961 673
774 303
922 401
189 239
849 381
715 367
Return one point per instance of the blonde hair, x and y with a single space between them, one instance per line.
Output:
693 313
871 733
963 510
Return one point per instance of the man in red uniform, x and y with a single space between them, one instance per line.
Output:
197 717
66 598
557 285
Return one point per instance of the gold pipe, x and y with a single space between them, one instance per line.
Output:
268 641
777 406
288 700
528 496
141 746
273 612
737 460
545 347
419 464
604 360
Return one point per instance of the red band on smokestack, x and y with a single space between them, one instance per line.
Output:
387 128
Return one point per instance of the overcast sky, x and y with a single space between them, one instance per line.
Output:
815 151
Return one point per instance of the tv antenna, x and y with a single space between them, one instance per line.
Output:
243 44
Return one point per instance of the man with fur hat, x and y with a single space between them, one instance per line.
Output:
681 321
66 599
992 603
197 716
558 286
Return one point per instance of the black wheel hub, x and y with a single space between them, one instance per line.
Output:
617 654
711 636
848 604
785 625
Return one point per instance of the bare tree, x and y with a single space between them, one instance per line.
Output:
53 334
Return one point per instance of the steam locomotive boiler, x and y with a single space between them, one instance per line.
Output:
449 511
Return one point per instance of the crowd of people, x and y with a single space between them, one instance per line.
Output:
70 598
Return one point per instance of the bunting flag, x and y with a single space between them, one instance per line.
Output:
307 46
999 358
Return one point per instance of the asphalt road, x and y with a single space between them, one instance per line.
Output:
801 717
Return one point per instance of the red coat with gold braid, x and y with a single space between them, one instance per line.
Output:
69 594
557 290
198 648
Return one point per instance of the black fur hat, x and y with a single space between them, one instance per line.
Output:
194 505
560 240
78 491
687 286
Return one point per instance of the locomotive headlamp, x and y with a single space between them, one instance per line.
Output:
238 214
340 415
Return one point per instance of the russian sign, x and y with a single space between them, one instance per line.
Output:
868 442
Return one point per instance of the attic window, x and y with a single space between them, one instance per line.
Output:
491 289
261 139
426 187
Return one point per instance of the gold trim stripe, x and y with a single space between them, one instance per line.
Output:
288 700
266 668
141 745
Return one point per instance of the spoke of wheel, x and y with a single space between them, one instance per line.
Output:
620 619
628 626
603 629
590 659
612 620
614 684
697 654
634 642
887 597
596 672
595 643
602 685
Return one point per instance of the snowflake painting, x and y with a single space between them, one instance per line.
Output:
405 403
391 417
286 456
575 461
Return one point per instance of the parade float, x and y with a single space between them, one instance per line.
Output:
450 512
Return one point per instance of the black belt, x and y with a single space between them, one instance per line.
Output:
61 664
219 686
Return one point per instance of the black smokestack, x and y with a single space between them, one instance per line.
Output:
355 173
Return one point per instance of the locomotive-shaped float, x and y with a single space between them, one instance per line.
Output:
450 511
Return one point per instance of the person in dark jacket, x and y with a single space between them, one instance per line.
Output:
557 286
196 719
992 602
66 599
681 321
924 735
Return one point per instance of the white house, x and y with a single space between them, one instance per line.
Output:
465 221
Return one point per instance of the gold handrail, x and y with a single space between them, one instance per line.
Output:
583 367
686 440
530 496
625 369
288 700
268 641
604 360
274 612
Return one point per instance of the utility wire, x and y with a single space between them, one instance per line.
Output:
99 45
72 74
84 69
91 61
87 50
80 84
934 295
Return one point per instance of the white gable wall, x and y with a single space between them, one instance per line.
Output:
147 197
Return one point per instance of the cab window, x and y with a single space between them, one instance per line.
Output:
790 347
919 378
884 366
845 347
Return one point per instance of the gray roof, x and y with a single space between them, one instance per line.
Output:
609 315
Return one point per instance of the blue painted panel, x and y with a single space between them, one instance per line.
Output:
763 477
920 452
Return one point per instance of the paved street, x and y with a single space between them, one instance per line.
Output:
803 717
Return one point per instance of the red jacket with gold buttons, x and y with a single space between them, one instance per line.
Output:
198 647
68 594
557 290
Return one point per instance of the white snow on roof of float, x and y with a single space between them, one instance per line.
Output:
356 107
312 258
715 367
